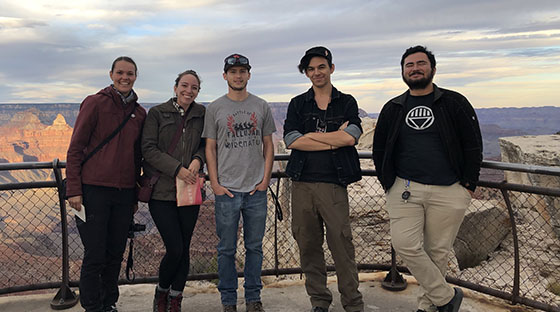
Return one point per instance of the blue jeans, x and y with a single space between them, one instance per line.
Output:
228 211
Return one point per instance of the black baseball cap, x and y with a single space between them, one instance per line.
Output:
236 60
315 51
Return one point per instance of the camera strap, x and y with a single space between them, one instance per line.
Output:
278 208
130 262
110 136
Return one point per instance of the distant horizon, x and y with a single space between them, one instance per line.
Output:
207 102
494 122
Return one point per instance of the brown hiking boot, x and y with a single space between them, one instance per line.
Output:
174 303
160 301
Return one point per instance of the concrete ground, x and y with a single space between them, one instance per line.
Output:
277 295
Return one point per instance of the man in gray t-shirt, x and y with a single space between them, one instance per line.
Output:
238 129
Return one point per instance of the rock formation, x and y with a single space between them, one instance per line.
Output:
542 150
366 140
25 138
485 226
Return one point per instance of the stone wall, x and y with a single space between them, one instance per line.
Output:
541 150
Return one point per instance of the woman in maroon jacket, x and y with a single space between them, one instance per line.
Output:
105 184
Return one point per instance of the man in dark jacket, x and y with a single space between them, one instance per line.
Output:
322 126
427 151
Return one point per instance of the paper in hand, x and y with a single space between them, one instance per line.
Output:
80 214
189 194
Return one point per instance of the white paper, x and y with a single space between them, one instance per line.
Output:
80 214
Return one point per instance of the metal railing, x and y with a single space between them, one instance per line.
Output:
40 246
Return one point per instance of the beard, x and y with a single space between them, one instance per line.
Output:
234 88
421 83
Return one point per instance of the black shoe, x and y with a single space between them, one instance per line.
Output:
455 303
319 309
420 311
111 308
229 308
255 306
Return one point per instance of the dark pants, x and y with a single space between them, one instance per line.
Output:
108 216
176 226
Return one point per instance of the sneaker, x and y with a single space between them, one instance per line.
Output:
174 303
229 308
160 301
319 309
111 308
255 306
455 303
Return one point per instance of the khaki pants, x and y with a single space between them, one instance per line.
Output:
423 231
315 204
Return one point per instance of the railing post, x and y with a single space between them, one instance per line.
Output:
516 265
276 228
65 297
394 281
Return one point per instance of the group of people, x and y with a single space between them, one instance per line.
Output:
427 150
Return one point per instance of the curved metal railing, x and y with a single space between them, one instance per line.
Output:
205 269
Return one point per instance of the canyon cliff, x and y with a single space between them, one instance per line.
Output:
25 138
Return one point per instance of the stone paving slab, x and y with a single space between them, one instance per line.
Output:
277 296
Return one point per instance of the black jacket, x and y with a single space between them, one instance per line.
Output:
343 107
457 125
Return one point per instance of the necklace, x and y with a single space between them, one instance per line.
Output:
321 125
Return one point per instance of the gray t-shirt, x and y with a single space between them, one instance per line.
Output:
238 128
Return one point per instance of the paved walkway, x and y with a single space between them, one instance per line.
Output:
277 296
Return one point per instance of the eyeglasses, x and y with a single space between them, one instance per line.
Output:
236 59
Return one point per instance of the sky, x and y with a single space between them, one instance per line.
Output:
499 53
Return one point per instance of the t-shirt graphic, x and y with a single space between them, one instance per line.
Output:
420 154
242 130
238 128
420 118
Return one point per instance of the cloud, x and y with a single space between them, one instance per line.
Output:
45 45
19 23
50 92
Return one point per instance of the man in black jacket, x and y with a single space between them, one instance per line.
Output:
322 126
427 151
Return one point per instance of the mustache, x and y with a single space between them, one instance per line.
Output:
416 72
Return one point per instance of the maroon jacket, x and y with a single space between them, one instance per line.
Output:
117 164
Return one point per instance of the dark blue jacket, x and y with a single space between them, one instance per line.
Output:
300 118
457 125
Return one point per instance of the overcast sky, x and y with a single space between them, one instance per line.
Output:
499 53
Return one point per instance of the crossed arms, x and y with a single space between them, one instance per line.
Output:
319 141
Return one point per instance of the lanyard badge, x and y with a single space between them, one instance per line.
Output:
406 194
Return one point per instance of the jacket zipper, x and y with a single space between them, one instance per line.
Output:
183 147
